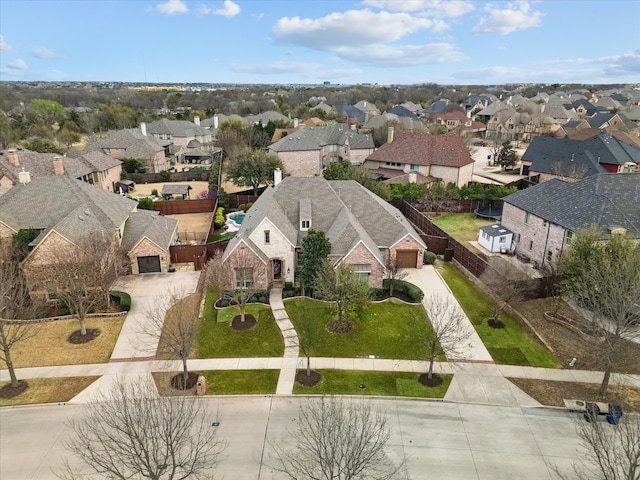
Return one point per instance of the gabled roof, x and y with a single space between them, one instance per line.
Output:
148 224
366 106
131 141
578 158
350 111
268 116
175 189
607 200
175 128
437 107
345 210
424 149
69 206
401 111
314 138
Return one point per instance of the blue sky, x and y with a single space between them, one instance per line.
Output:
311 41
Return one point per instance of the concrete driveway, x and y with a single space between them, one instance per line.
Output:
439 440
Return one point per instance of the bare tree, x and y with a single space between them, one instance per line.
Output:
610 452
307 338
449 331
340 286
130 432
240 276
393 272
505 291
336 440
15 309
173 323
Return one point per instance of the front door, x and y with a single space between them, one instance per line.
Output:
276 268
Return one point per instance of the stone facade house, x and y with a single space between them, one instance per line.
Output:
428 157
543 218
67 212
364 230
308 151
95 168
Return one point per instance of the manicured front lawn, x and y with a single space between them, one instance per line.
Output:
241 382
48 390
50 346
389 329
510 345
216 339
462 226
346 382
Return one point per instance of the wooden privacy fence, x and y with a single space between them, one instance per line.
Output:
177 207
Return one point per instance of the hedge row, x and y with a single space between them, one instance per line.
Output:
123 297
400 286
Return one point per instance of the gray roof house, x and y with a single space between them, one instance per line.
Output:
307 151
364 230
545 217
65 211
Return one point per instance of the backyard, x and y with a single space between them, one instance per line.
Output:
462 226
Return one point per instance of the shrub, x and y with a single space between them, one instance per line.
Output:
164 176
407 288
262 299
287 293
154 192
429 258
219 218
145 203
123 297
288 285
246 207
62 311
377 293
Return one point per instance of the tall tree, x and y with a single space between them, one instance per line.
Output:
315 249
507 155
131 432
252 168
605 275
340 286
336 440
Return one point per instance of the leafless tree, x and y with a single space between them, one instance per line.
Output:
84 273
239 274
307 338
173 323
393 272
449 332
15 310
505 290
337 440
130 432
610 452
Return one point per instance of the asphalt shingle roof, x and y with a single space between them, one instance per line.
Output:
313 138
607 200
145 223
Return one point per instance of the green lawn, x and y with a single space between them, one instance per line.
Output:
346 382
216 339
462 226
241 382
390 329
510 345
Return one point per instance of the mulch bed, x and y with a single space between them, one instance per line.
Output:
493 323
177 381
434 381
239 326
308 381
7 391
77 338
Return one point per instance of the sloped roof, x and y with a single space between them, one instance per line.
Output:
345 210
57 203
350 111
145 223
437 107
606 199
175 189
401 111
424 149
313 138
176 128
133 143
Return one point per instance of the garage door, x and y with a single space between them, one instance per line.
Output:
407 258
149 264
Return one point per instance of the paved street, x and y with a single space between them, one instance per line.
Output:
440 440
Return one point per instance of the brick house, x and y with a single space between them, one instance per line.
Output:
422 158
66 212
95 167
306 152
364 231
543 218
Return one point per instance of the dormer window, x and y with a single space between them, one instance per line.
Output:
305 224
305 214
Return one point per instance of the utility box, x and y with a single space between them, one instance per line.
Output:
201 386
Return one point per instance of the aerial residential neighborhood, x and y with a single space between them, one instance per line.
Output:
410 228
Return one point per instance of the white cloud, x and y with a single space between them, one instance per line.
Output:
4 46
613 65
42 52
274 67
353 28
228 10
404 55
439 8
17 64
172 7
517 16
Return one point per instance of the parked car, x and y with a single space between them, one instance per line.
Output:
479 143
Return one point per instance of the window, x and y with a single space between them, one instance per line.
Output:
305 224
569 237
503 239
361 273
267 237
415 167
544 223
244 277
549 255
78 286
527 218
530 244
52 291
518 238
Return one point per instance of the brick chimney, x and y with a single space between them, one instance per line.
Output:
390 135
58 168
12 158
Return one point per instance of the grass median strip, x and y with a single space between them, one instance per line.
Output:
510 345
226 382
48 390
347 382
